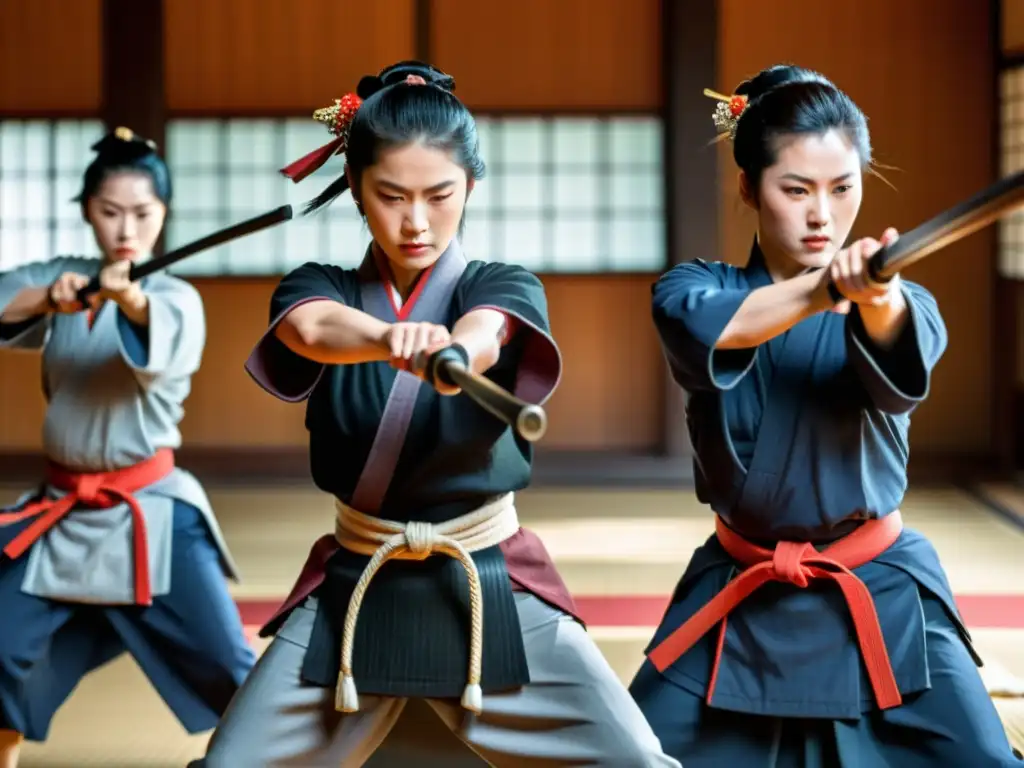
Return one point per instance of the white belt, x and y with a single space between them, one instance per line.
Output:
364 534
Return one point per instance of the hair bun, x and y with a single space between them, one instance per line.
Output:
368 85
124 144
397 73
773 77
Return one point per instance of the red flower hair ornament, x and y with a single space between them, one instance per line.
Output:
338 118
727 113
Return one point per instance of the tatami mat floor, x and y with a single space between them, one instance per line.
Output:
620 553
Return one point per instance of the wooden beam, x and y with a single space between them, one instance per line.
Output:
689 54
133 66
423 19
132 79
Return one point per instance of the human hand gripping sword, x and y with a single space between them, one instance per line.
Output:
235 231
529 421
992 203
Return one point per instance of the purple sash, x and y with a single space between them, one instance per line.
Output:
431 307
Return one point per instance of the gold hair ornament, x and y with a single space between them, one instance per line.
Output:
338 117
128 135
727 112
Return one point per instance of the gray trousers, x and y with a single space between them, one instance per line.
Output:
574 712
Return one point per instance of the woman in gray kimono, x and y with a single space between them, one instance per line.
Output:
118 550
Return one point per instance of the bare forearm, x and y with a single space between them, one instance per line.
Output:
884 323
479 332
331 333
770 311
27 304
136 309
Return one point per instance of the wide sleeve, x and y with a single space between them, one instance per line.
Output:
898 379
170 345
691 306
281 372
32 333
519 295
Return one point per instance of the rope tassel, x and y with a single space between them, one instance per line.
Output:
384 540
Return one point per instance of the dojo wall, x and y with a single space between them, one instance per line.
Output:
1011 288
930 99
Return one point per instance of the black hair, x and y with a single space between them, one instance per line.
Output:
785 100
122 151
394 113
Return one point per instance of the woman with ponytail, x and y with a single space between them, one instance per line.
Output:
428 588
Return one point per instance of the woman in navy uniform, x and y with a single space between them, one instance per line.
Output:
812 629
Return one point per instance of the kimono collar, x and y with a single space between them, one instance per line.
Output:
375 268
756 269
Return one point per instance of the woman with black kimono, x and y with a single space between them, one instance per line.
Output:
388 607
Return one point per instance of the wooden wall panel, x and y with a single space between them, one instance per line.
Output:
539 54
21 402
609 397
1011 15
49 56
929 100
239 56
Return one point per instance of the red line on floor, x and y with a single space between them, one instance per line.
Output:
979 611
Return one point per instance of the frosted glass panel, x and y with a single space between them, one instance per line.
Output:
35 239
522 191
12 143
1011 228
636 141
66 188
560 194
478 239
577 192
41 167
36 140
576 244
251 142
11 202
253 192
194 193
638 245
182 228
524 244
302 239
576 142
72 142
255 254
35 199
481 199
522 142
485 135
347 242
76 240
637 191
193 144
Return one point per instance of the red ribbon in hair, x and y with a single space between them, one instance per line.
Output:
338 118
307 164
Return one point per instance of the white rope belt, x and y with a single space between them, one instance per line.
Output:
385 540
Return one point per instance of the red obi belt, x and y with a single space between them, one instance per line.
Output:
98 490
799 564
